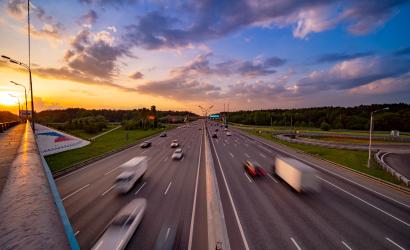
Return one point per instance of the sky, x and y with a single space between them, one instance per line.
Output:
250 54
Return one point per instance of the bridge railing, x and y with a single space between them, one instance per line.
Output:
6 125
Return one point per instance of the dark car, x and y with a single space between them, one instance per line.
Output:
145 144
163 134
253 168
214 135
216 130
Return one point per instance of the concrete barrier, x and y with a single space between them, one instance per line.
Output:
6 125
29 217
379 156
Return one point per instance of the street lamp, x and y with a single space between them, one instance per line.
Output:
25 94
370 133
18 100
31 85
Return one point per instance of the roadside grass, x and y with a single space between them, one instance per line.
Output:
86 136
108 142
316 130
352 140
353 159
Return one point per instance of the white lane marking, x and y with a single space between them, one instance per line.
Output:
217 141
166 236
223 144
182 158
264 148
139 189
78 231
143 152
332 173
231 154
346 245
191 229
99 244
262 155
112 170
166 158
247 176
231 200
247 155
169 185
295 243
76 191
108 190
394 243
360 199
272 178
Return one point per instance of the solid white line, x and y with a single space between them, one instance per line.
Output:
166 158
346 245
139 189
169 185
78 231
394 243
112 170
295 243
166 236
360 199
267 150
231 154
247 176
246 155
272 178
73 193
332 173
108 190
231 200
191 229
262 155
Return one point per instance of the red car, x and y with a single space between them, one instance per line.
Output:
253 168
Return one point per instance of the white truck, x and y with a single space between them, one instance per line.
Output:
298 175
132 170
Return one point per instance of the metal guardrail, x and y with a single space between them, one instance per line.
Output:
6 125
379 157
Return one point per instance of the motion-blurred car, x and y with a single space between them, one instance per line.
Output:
214 135
163 134
216 130
145 144
228 133
253 168
225 129
174 144
122 227
177 155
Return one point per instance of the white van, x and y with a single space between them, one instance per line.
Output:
132 170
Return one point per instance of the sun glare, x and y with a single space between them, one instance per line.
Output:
7 100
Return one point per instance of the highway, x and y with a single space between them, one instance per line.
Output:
91 200
272 216
260 213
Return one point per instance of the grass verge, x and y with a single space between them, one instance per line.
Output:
108 142
353 159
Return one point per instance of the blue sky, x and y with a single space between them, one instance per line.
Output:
181 54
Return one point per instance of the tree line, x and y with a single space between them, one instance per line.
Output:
397 117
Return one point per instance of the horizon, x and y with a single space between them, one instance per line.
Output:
343 53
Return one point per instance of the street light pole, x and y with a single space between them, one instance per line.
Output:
370 134
18 101
25 94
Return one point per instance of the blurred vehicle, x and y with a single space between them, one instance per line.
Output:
163 134
122 227
253 168
214 135
228 133
177 155
225 129
132 170
174 144
145 144
226 125
298 175
216 130
199 128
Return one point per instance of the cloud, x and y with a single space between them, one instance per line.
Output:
49 27
136 75
41 104
386 85
402 52
180 88
109 2
336 57
88 18
353 73
214 19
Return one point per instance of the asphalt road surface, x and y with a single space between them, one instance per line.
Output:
260 213
270 215
169 187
